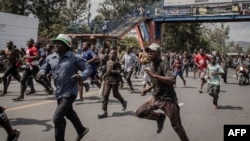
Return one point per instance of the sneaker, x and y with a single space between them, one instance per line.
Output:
31 92
19 98
50 91
86 85
200 91
160 123
124 105
3 93
79 137
143 94
79 99
103 115
17 134
122 85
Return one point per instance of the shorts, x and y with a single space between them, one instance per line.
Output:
178 72
213 89
203 72
94 75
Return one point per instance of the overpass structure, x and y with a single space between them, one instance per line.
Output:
148 24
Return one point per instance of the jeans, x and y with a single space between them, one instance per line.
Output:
128 78
65 108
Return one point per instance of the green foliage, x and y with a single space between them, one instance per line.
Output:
113 9
129 41
183 36
233 47
53 15
217 35
19 7
76 12
53 31
248 51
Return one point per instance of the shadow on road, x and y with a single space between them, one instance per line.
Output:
188 87
24 121
94 100
233 83
120 114
230 107
223 91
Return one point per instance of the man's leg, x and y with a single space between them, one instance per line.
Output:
216 96
43 81
147 111
5 81
63 107
128 78
117 95
106 93
172 110
4 122
24 78
73 117
80 91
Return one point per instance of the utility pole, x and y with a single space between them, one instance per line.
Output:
89 14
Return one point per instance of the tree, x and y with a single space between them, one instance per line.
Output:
19 7
129 41
248 51
183 36
48 12
217 34
114 9
76 11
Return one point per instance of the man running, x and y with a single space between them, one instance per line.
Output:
64 65
214 70
201 62
164 96
13 58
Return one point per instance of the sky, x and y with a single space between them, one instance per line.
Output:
94 7
239 31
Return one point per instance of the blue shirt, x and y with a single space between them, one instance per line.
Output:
88 55
63 69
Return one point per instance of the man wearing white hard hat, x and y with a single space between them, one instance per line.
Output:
64 64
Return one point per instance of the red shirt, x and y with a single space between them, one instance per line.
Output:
31 52
177 64
201 60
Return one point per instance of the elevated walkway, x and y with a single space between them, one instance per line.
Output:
116 29
127 26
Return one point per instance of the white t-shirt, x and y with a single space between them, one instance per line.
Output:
214 79
129 61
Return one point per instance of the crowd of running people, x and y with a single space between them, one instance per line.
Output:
108 68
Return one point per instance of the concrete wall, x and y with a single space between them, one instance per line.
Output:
17 28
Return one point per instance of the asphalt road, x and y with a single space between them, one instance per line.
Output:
202 122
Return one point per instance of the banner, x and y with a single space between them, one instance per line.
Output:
144 31
192 2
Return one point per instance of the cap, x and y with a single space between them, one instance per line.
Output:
153 47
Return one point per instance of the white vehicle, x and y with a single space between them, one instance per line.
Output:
17 28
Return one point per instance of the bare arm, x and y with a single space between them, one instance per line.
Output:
166 80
